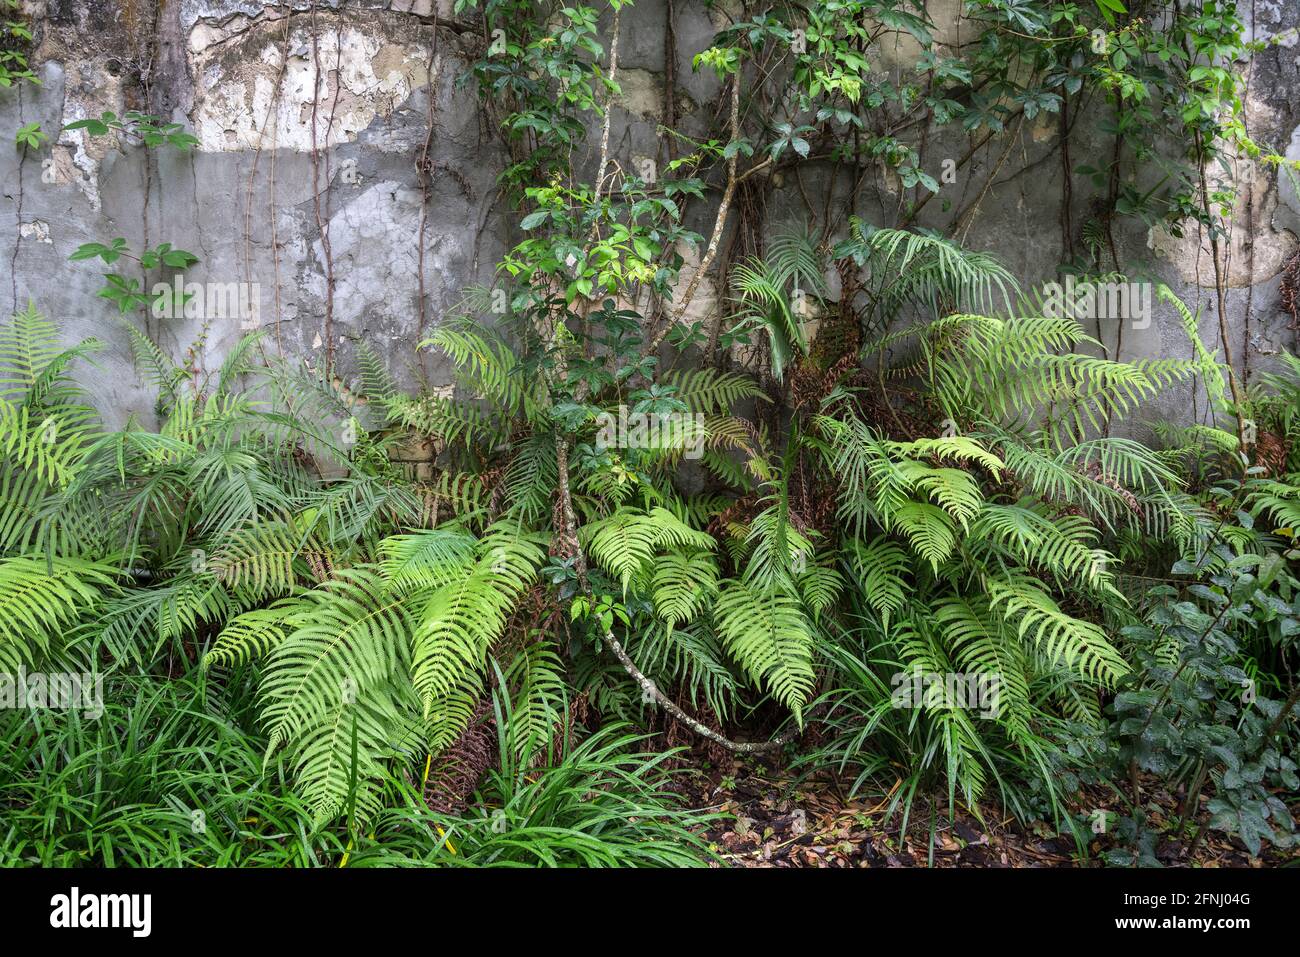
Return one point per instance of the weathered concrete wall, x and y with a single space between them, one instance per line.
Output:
276 161
240 75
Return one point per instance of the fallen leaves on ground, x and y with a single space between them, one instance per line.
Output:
771 818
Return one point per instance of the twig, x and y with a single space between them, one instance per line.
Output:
322 225
609 109
719 225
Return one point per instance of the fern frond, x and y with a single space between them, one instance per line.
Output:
625 543
1078 644
352 635
929 530
711 392
820 587
426 559
40 599
682 585
253 634
540 699
767 634
457 622
490 368
882 569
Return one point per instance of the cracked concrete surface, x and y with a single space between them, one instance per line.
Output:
241 74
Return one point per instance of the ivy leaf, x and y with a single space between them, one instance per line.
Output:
93 127
533 220
110 254
897 20
735 147
179 258
30 136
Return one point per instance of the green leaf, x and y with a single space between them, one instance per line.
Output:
93 127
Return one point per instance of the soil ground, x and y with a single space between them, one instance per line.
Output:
773 818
